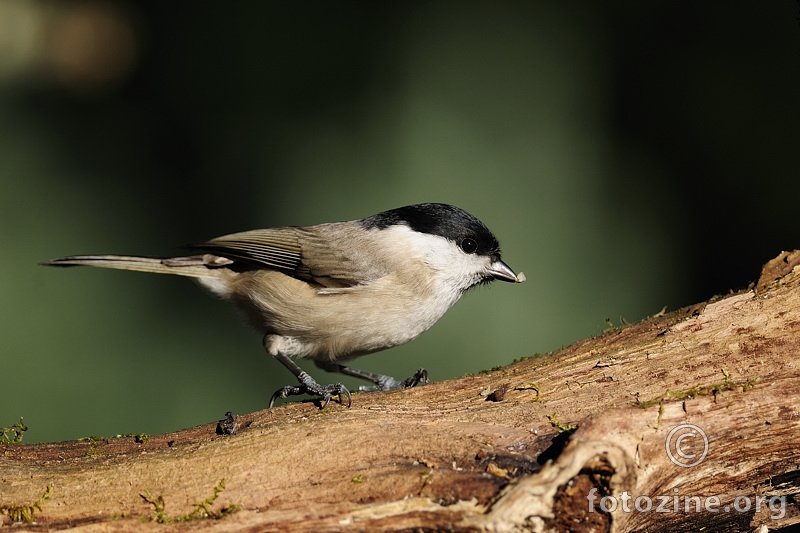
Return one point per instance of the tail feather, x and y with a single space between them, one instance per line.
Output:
193 267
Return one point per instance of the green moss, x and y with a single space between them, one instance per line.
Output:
139 438
427 479
500 367
611 327
13 434
93 442
526 357
202 510
530 385
562 428
26 512
158 507
700 390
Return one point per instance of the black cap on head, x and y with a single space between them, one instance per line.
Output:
443 220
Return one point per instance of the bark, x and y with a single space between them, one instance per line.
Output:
447 457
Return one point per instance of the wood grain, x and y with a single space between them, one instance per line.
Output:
442 457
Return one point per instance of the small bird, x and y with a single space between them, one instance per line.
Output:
332 292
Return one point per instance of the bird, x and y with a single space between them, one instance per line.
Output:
332 292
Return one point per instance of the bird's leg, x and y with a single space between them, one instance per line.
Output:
308 385
381 381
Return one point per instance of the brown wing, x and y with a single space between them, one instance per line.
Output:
276 248
302 252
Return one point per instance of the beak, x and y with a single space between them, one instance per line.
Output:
501 271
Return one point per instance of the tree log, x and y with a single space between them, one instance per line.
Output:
583 439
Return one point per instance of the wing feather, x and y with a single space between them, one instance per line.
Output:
276 248
308 253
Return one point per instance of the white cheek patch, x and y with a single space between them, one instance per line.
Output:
451 266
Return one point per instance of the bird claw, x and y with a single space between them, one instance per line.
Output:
309 386
389 383
420 376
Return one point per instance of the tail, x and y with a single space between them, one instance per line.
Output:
194 267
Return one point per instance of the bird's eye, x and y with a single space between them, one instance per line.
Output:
469 245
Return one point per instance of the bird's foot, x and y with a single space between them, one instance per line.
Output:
309 386
389 383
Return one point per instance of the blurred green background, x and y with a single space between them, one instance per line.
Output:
628 155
